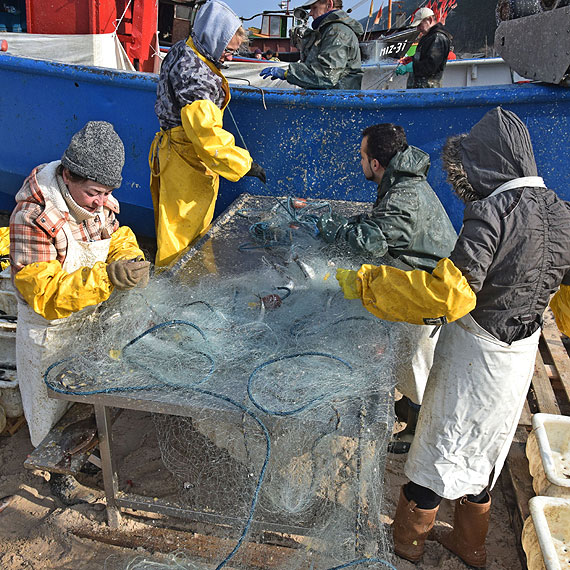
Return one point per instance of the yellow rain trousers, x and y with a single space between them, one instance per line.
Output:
416 296
560 305
186 163
54 294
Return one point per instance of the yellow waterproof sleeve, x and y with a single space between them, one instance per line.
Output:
4 247
203 125
55 294
560 305
416 296
123 245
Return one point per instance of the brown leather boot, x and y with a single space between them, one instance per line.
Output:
470 525
411 527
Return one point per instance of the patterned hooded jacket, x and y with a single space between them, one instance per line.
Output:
184 76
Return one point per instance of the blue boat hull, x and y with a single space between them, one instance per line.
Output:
308 141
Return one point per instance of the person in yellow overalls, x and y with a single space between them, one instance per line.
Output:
192 150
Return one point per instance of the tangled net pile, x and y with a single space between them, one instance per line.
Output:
287 388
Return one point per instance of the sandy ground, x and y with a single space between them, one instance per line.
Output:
38 532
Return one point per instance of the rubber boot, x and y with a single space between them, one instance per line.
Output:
411 527
70 491
401 441
470 525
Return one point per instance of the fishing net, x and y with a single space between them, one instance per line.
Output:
275 392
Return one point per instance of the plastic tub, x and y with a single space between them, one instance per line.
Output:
548 452
546 534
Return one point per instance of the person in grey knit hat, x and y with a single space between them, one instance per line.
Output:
97 153
67 255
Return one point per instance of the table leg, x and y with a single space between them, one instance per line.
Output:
103 416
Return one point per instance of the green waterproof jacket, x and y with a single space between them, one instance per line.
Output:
330 55
407 222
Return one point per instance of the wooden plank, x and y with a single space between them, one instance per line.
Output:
560 357
211 548
526 417
517 484
543 389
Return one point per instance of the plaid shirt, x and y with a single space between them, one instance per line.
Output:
36 226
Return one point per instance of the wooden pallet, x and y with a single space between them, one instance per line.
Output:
13 425
549 393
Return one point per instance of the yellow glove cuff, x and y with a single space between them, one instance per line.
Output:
347 280
560 305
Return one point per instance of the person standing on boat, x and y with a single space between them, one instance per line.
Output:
67 255
409 226
490 294
192 149
330 52
427 65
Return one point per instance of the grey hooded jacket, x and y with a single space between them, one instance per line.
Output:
330 55
514 248
407 222
184 76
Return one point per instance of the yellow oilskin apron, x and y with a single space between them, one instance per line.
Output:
41 342
472 403
184 193
185 175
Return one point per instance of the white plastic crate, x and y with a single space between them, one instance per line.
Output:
548 452
546 534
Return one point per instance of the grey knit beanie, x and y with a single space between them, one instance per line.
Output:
96 152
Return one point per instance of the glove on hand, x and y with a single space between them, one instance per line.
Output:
257 171
347 280
329 225
403 69
128 273
406 59
273 72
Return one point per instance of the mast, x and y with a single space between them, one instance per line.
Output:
389 14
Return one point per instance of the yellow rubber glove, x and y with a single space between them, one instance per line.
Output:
123 245
416 297
347 280
54 294
216 148
4 247
560 305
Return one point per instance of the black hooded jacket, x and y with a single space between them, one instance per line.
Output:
431 54
514 247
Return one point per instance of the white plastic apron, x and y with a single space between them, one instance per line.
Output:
415 359
472 403
40 342
473 400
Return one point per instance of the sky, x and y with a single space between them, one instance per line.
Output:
247 8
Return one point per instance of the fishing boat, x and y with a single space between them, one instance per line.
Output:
308 141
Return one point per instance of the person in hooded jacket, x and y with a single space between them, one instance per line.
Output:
192 149
428 63
409 226
490 294
330 52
